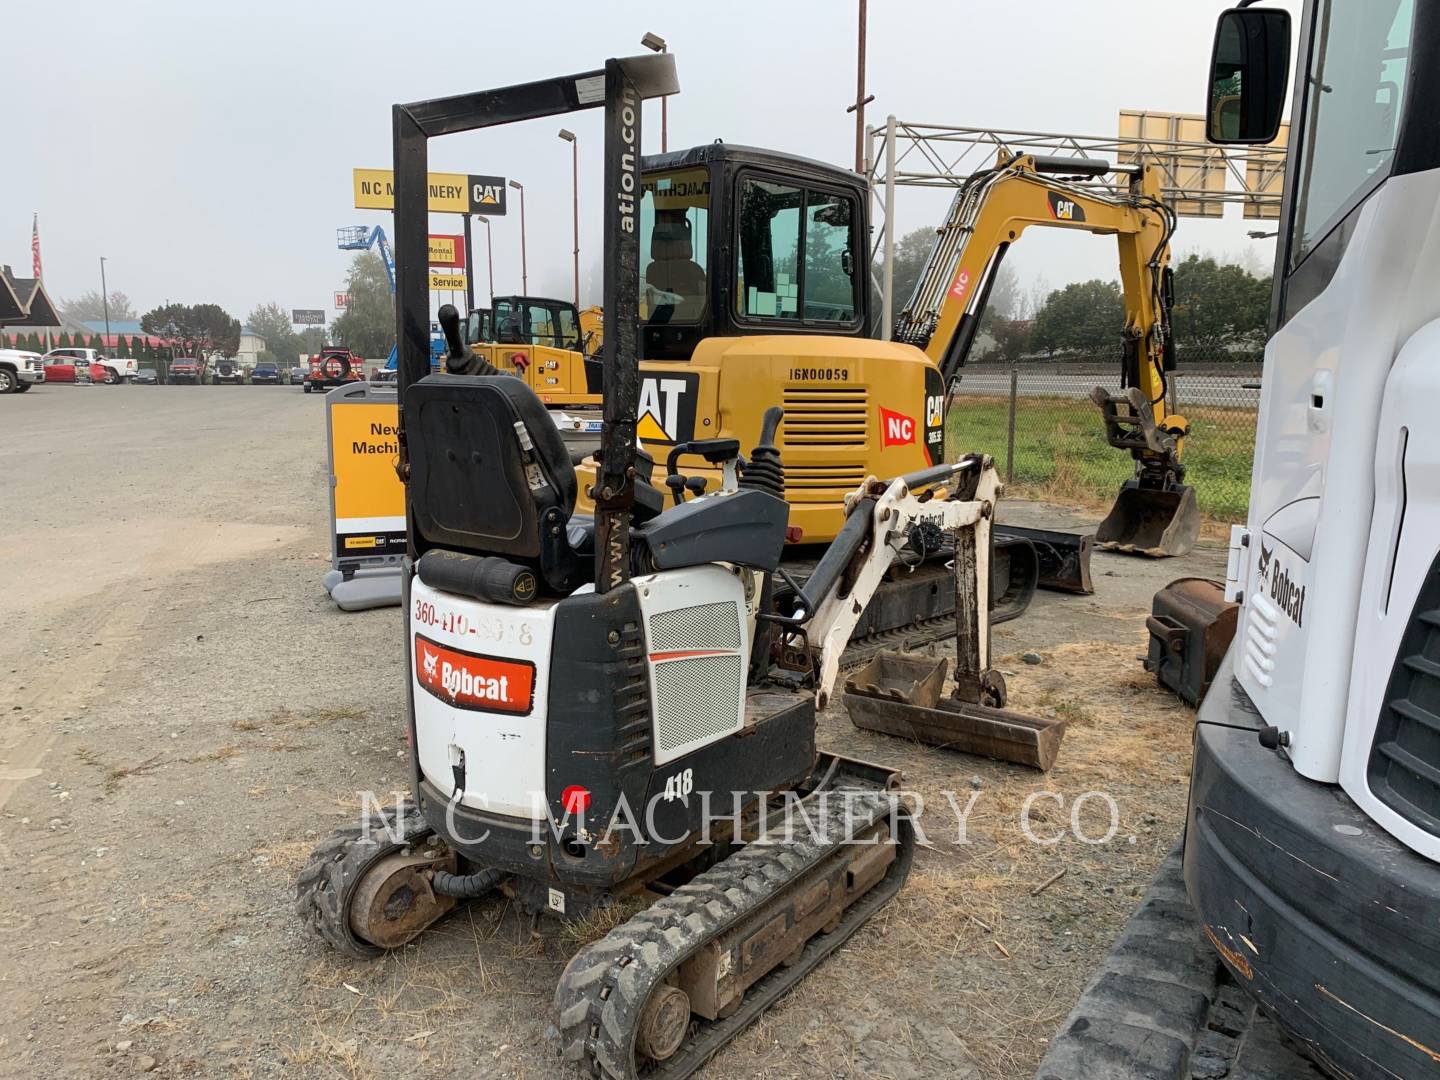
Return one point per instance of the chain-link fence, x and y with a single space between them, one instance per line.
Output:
1038 422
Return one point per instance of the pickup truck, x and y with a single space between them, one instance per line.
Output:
335 366
20 370
185 369
265 374
108 369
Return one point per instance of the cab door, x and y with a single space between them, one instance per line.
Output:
1346 299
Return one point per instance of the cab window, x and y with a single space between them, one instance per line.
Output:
795 261
674 243
569 328
1356 87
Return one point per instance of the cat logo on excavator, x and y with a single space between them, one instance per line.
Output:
667 408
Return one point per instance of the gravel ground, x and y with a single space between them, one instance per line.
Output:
186 715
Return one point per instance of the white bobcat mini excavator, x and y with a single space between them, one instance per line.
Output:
1311 858
592 703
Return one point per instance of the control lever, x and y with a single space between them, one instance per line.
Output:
695 485
457 355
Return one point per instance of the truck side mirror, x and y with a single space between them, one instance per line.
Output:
1249 69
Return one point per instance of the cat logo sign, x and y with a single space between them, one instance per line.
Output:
667 408
487 195
1063 209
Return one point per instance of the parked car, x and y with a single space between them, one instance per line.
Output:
123 366
65 369
385 376
229 372
20 370
335 366
185 369
146 376
265 374
297 375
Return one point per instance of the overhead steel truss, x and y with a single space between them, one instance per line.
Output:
1198 178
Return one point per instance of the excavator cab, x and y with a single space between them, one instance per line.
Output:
737 241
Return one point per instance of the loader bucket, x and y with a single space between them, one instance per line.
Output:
1158 522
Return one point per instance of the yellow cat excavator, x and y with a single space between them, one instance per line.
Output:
754 294
1155 513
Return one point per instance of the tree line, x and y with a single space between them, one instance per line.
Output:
208 331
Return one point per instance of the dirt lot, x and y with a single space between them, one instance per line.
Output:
185 715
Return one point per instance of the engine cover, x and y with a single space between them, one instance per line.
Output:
480 681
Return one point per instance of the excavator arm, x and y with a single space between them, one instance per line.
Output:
1155 513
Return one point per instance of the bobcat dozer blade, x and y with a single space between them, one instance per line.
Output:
611 708
1155 514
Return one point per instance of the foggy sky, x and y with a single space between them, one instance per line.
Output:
205 149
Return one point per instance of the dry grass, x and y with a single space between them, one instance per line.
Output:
287 719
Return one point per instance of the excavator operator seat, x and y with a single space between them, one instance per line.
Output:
674 271
490 474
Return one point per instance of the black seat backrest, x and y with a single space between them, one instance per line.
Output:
474 486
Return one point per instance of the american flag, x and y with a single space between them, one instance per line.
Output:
35 245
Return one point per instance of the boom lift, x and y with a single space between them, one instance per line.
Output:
1155 513
564 672
1311 853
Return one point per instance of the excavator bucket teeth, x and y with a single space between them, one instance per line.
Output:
1158 522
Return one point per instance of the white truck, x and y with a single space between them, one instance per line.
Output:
20 370
108 369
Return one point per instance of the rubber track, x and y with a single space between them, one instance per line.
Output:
322 891
606 985
905 638
1162 1007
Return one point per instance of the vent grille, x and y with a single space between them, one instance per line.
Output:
704 626
821 483
825 416
695 699
1404 768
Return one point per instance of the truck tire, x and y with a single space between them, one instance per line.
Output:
9 381
307 388
20 388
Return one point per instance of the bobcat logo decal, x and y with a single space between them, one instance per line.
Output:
1262 572
431 659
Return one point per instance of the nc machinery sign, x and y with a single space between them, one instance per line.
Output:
450 193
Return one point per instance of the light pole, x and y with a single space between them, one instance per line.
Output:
105 300
489 254
656 43
569 136
861 100
524 268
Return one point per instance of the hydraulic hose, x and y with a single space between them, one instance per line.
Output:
466 886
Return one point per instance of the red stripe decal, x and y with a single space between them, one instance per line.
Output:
681 654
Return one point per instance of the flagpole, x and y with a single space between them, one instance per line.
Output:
35 266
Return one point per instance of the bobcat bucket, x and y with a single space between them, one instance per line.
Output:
1158 522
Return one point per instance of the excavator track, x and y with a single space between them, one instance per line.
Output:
615 992
909 638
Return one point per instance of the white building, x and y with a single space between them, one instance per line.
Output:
251 346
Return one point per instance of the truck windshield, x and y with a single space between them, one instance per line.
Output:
674 242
